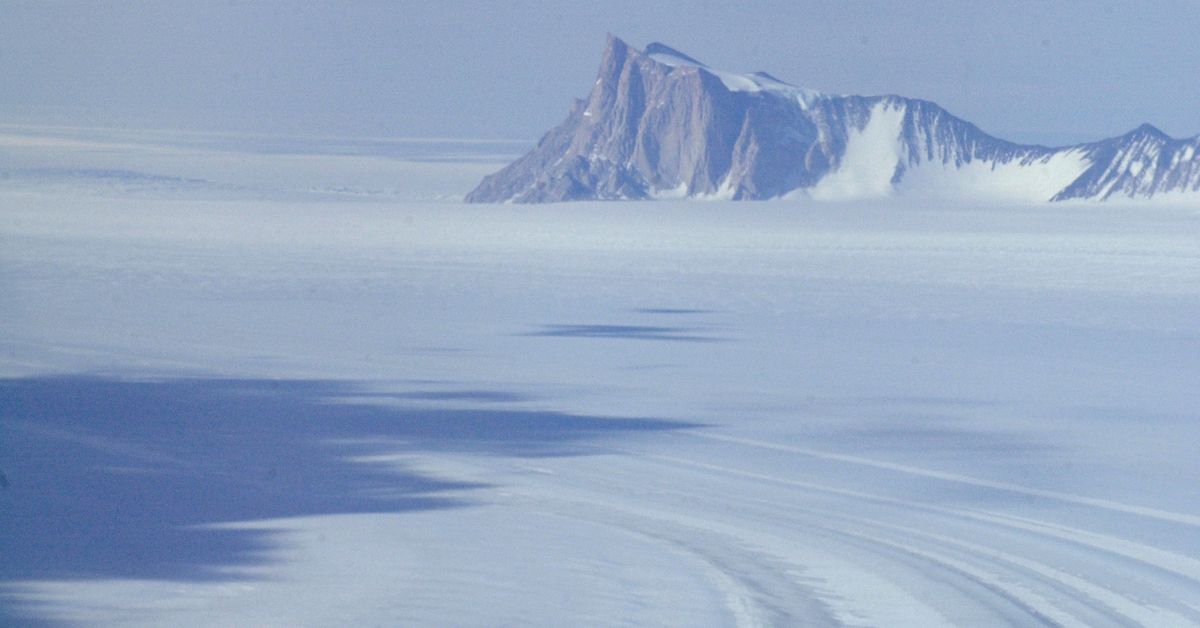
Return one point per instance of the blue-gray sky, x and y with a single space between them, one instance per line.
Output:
1028 70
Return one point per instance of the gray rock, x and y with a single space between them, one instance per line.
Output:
1140 163
658 124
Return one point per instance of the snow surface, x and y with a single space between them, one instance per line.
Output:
870 160
261 398
757 82
876 152
1013 180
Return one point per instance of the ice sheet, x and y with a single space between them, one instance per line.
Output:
392 410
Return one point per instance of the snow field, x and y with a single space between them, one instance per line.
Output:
885 413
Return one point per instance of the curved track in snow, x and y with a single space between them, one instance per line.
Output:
784 551
921 416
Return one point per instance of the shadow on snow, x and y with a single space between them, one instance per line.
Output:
629 332
106 476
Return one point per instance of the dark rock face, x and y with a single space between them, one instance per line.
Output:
1138 164
661 124
647 127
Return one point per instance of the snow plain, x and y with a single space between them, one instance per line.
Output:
265 382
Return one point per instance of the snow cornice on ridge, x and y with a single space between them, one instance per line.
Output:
663 50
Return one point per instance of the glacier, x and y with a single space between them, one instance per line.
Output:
660 124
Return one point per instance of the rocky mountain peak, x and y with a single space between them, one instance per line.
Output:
660 124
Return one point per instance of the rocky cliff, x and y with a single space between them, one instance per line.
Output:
659 124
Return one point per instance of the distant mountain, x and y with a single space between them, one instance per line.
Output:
659 124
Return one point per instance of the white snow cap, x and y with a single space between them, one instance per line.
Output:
756 82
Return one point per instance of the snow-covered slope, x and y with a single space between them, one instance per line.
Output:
279 410
659 123
1141 163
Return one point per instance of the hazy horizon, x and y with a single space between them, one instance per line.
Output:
1028 71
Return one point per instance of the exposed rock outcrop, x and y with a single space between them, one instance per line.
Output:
660 124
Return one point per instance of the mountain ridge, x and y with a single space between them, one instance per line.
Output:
660 124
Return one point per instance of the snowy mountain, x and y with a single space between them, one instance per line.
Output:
1141 163
659 124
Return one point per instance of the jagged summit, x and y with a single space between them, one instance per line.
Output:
1147 129
660 124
